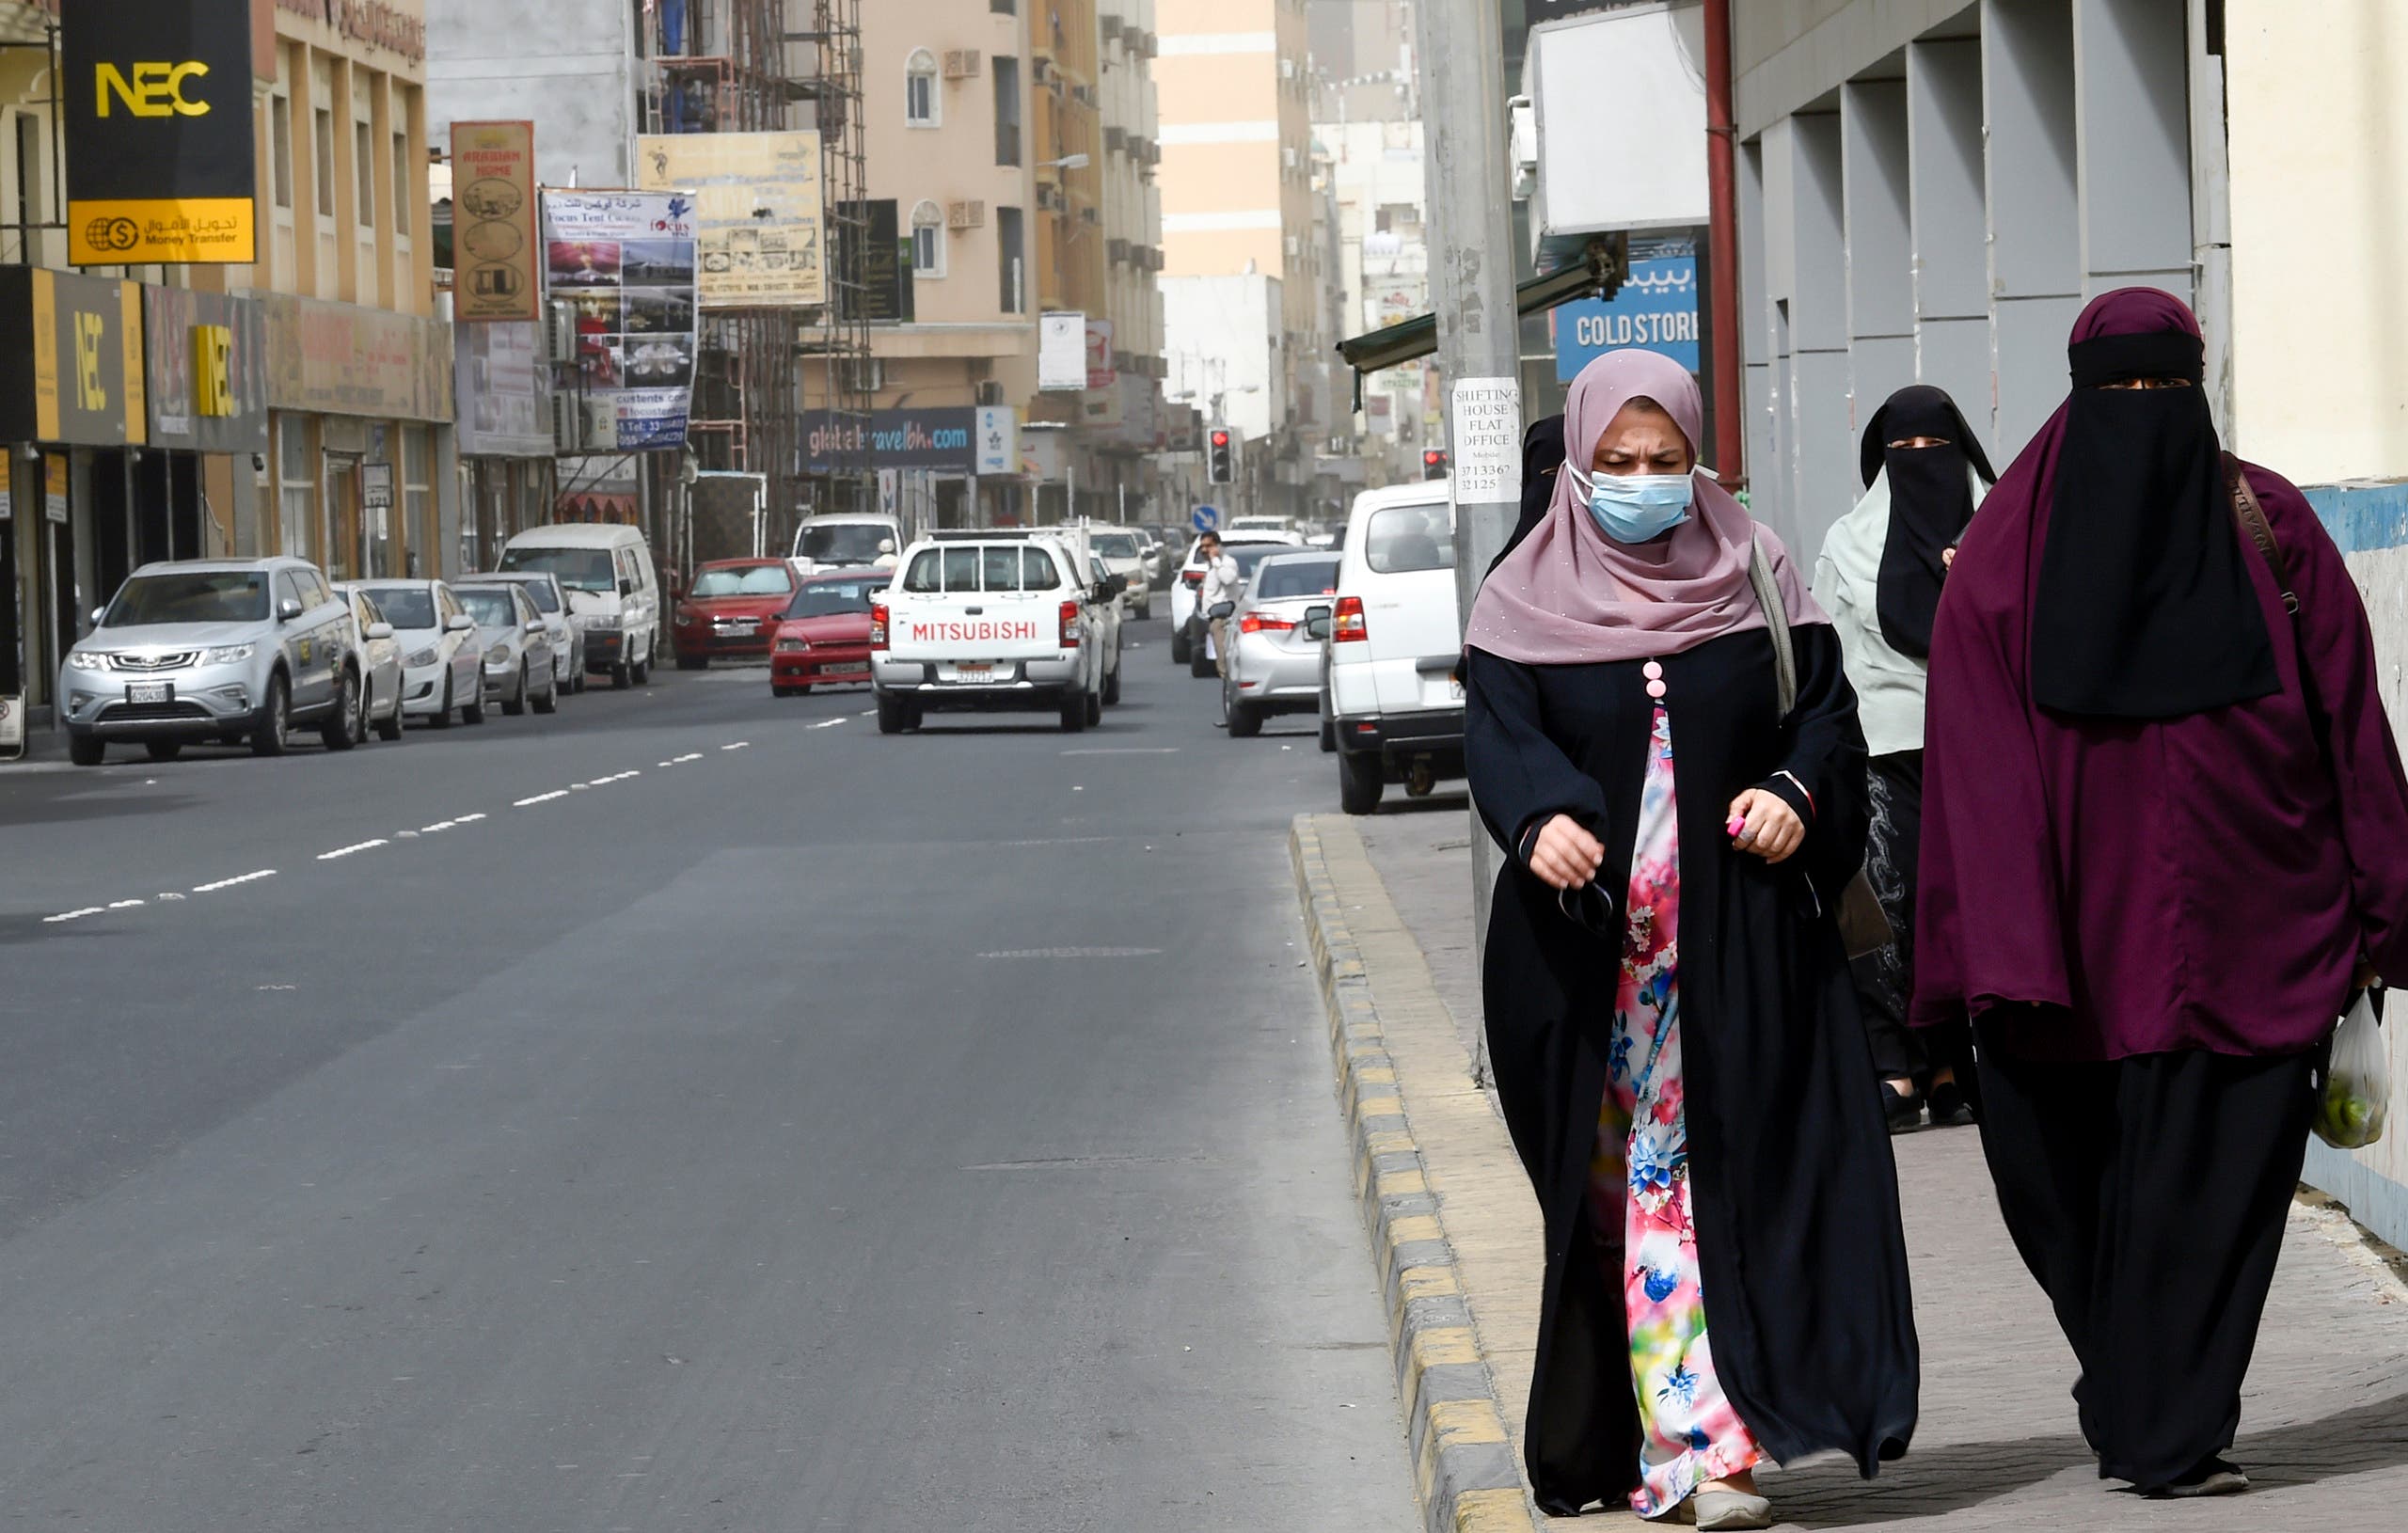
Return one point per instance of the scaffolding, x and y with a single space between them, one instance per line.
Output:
834 342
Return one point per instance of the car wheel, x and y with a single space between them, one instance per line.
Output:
276 716
341 731
1094 709
1245 721
1074 713
641 670
162 750
87 749
1179 645
692 662
550 700
474 713
390 728
1112 684
620 680
891 715
1360 779
442 719
516 703
1328 735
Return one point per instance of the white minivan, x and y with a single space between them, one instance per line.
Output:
614 594
1392 700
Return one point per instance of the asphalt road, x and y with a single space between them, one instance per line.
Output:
691 1111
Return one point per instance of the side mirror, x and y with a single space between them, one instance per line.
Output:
460 623
626 588
1221 610
380 630
1117 583
536 626
286 609
1316 623
96 615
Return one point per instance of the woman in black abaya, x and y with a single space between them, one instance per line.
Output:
1698 1134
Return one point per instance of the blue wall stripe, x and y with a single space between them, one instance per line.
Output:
2362 517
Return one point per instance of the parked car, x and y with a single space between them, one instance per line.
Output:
568 642
233 650
1124 555
846 541
442 663
1188 643
1392 697
517 647
380 666
730 609
614 594
992 621
1275 657
1102 576
1168 541
822 638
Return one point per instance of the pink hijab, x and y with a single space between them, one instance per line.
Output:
1571 595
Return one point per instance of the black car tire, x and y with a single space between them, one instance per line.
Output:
342 730
87 749
692 662
892 715
1328 735
1074 712
474 713
442 719
1179 645
619 681
1245 721
639 672
1112 684
162 750
1360 781
1094 709
549 700
1199 659
274 717
516 703
390 729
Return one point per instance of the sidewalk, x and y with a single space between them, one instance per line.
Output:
2324 1427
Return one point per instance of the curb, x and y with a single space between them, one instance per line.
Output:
1464 1477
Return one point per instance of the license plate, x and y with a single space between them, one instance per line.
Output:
740 626
973 672
149 691
848 668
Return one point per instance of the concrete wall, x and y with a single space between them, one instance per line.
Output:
566 65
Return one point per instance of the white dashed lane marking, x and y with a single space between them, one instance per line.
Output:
228 884
542 799
352 850
74 915
827 723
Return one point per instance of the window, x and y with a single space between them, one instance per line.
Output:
1008 111
990 568
1003 8
1007 255
30 170
279 133
418 503
363 165
401 189
927 240
297 497
920 99
1404 538
325 144
1280 578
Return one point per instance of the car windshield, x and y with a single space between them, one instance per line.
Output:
580 569
1259 523
976 568
192 597
1400 539
404 607
827 598
545 596
1250 554
1297 577
841 543
491 609
1117 546
743 581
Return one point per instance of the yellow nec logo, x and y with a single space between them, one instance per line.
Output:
90 330
155 90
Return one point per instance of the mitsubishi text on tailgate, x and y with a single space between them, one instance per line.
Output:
987 621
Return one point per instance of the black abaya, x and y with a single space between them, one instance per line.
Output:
1803 1260
2148 1194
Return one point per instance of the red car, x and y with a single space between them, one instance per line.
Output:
823 640
733 606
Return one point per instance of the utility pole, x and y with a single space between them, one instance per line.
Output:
1471 290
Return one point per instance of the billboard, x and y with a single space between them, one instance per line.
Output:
884 267
758 211
1654 312
492 223
942 438
1062 350
157 95
625 262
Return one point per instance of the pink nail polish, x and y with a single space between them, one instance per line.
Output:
1738 823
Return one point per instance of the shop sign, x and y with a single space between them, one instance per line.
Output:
884 267
504 392
944 437
158 103
206 360
1655 310
343 359
393 29
998 441
74 346
625 262
1061 350
53 487
756 210
492 223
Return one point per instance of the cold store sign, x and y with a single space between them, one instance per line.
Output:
158 103
1655 311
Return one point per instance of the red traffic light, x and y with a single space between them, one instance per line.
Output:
1220 439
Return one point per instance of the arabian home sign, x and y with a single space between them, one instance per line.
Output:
158 98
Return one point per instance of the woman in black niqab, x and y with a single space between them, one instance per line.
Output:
1930 502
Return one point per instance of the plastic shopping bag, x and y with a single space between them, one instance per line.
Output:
2357 1088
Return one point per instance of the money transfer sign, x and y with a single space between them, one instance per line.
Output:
758 211
157 95
625 263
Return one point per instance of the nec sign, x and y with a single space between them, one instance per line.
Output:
159 112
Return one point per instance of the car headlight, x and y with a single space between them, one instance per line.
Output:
84 659
596 619
498 654
422 658
228 654
792 646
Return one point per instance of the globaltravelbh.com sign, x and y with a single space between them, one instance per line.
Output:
158 105
939 438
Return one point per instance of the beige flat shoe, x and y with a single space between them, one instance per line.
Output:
1711 1509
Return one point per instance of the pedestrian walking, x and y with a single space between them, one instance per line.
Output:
2165 833
1879 577
1736 1167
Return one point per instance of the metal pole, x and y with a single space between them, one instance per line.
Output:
1471 271
1722 248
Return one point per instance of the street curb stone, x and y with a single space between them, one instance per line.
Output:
1465 1472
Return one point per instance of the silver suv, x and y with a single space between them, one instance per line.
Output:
238 650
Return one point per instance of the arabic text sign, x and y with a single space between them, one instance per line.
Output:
493 220
1655 311
157 96
625 263
758 211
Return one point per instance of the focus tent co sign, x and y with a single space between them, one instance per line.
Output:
158 98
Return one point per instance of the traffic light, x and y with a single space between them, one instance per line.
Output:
1217 465
1434 462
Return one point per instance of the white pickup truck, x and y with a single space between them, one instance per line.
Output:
997 620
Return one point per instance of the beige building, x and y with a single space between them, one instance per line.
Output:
1124 424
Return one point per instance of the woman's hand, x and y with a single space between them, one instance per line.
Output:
1564 855
1768 825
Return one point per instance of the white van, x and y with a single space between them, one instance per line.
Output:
1392 705
613 593
848 540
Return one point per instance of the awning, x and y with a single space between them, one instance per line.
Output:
1392 345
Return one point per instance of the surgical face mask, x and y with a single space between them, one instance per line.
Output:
1634 508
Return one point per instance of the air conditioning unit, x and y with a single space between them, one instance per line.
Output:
1115 251
1288 158
965 216
560 332
568 423
1123 362
1294 244
1115 138
961 63
864 375
1109 27
991 392
1050 199
1286 68
1084 95
1091 215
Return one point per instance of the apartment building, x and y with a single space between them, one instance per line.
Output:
1123 424
1235 94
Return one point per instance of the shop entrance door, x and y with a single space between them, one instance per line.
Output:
346 543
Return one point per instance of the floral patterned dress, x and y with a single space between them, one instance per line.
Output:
1639 1181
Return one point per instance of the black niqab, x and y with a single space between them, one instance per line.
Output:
1542 456
1930 502
2144 608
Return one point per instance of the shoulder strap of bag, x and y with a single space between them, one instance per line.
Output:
1784 660
2252 518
